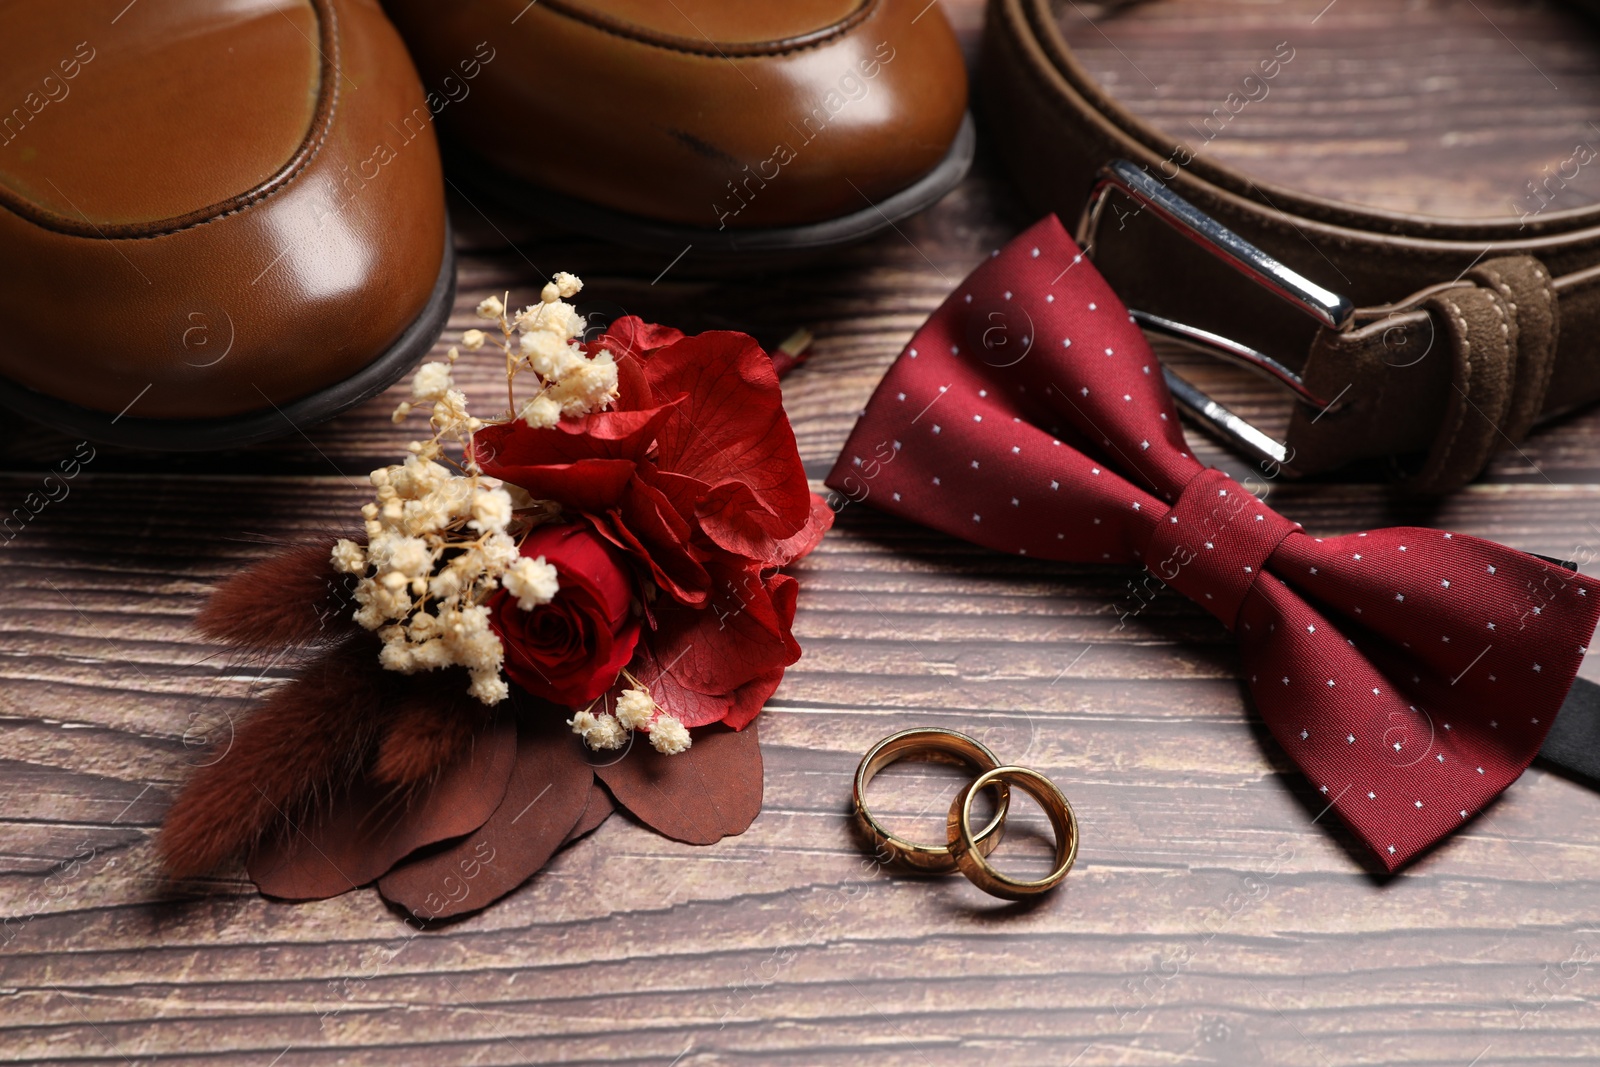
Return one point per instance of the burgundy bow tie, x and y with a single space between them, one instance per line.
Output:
1411 674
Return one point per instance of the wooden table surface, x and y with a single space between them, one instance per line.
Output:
1209 920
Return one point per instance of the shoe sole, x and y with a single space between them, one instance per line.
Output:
776 242
234 431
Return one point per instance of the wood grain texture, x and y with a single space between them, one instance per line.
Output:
1209 920
1440 107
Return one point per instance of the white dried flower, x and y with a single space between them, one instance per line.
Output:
489 687
446 585
598 731
499 552
491 510
417 477
561 317
407 556
491 308
542 350
349 557
432 381
450 416
533 582
432 653
588 386
568 284
528 318
473 340
557 317
541 413
396 655
635 708
669 736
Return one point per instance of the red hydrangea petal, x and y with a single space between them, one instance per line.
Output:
632 336
785 593
683 492
589 485
602 435
633 388
746 702
743 634
689 706
732 428
809 536
650 528
735 520
687 586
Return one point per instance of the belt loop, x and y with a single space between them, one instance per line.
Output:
1527 289
1478 329
1501 338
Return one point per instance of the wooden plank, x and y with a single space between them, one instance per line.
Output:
1210 920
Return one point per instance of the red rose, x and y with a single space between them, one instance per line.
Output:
571 649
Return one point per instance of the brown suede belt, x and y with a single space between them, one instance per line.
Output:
1428 342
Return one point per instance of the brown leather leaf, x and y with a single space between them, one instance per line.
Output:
550 789
370 827
700 796
597 811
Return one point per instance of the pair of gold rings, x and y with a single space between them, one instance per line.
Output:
965 850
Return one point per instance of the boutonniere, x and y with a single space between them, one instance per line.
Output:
585 588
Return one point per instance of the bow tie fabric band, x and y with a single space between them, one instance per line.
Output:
1411 674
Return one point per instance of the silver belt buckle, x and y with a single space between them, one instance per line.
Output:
1326 307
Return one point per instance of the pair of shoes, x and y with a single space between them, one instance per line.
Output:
223 223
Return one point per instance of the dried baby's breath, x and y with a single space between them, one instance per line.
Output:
440 541
669 736
636 710
598 731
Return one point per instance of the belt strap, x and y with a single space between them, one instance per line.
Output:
1469 332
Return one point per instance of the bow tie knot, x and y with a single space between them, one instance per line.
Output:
1214 543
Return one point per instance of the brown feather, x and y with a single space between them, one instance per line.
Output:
300 743
428 726
292 597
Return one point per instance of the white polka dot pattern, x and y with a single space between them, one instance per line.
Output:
1411 674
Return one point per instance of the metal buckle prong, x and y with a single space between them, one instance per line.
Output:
1230 350
1325 306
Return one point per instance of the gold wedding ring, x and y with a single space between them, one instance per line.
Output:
969 851
936 859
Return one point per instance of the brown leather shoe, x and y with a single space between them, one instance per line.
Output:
218 223
731 125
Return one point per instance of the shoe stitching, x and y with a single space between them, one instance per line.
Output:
688 46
